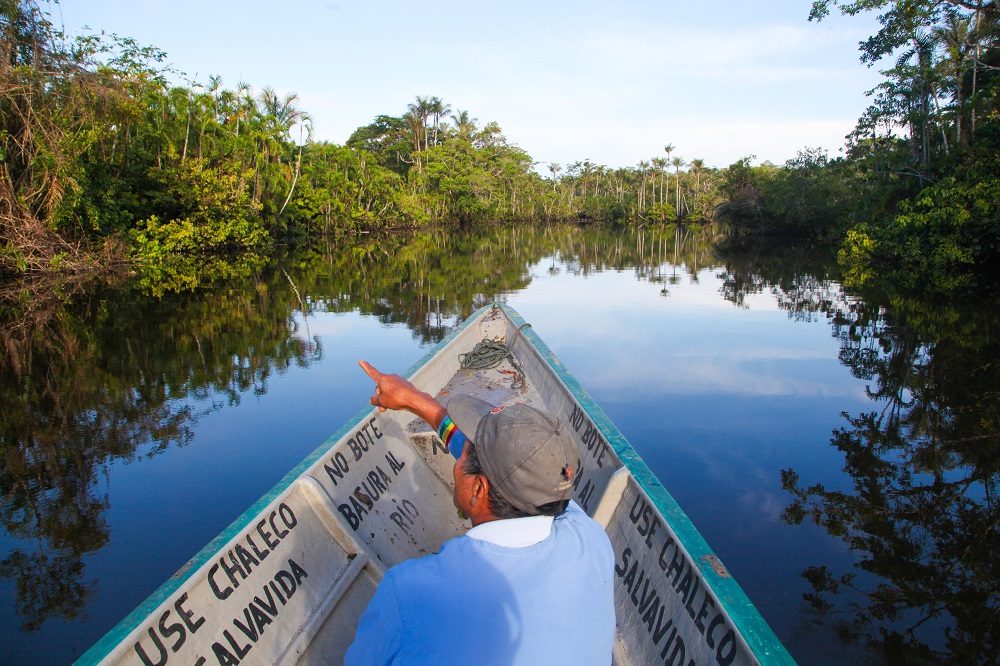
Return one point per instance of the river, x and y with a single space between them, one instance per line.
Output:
838 450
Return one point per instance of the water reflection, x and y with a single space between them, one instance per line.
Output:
102 373
429 281
95 374
923 516
92 373
920 510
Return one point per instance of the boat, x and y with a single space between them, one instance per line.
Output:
287 581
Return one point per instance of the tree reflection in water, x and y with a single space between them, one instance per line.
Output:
922 516
93 373
104 373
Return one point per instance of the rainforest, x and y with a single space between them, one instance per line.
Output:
111 159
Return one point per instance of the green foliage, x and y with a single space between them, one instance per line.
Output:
386 139
56 108
156 239
811 195
743 186
199 168
349 188
455 173
100 145
213 211
941 240
855 256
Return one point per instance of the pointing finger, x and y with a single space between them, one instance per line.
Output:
370 370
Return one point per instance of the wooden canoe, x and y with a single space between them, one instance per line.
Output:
287 582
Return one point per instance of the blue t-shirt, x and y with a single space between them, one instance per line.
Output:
475 602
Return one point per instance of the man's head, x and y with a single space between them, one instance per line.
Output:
526 456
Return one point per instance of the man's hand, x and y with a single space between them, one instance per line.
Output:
391 391
394 392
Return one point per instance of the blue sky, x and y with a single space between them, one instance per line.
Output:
612 82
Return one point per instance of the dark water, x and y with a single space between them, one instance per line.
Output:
839 451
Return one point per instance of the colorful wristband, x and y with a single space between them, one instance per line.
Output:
453 438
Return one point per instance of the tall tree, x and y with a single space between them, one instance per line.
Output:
438 108
678 163
465 124
421 110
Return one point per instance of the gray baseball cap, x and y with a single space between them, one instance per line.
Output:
526 453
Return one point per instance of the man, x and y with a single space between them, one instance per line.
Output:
530 583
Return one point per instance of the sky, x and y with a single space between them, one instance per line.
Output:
612 82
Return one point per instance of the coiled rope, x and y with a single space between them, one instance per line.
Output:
491 353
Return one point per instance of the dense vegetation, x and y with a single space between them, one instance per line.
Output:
916 198
100 149
107 158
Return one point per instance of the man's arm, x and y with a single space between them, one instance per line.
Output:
394 392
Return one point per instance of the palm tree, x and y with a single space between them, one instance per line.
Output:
276 116
677 163
642 187
464 123
697 166
214 85
416 127
588 169
187 126
305 122
669 148
212 94
659 164
914 93
245 99
438 108
282 110
958 36
554 168
420 109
